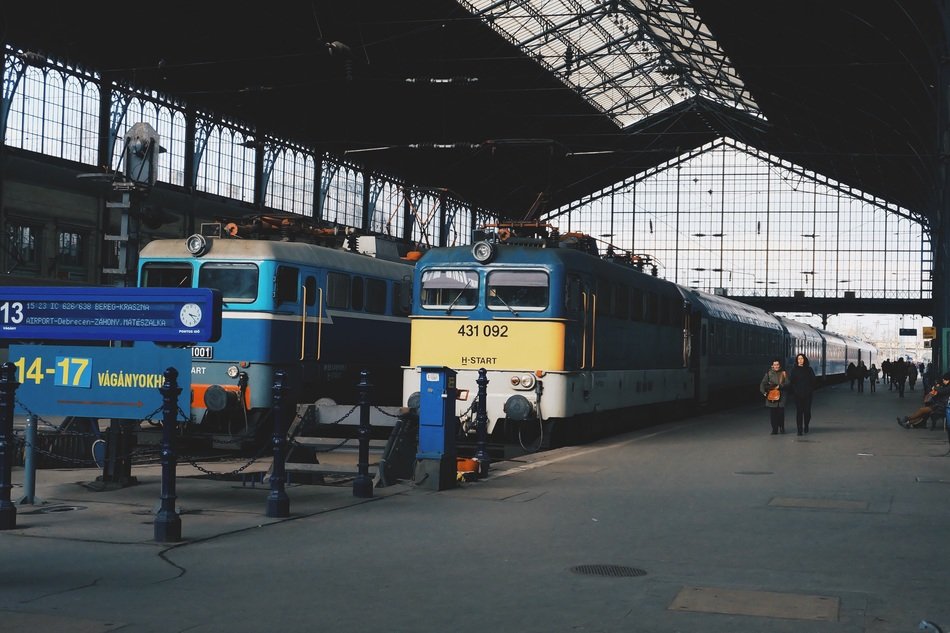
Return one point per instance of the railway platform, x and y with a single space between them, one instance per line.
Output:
702 524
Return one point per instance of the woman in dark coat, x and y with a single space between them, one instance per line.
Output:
775 377
802 380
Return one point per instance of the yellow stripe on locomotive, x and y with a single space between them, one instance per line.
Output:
519 344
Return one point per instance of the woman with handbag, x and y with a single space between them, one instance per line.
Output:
773 387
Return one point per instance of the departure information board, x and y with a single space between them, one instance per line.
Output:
170 315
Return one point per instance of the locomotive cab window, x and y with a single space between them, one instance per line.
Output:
237 282
517 289
376 296
449 289
356 293
310 288
286 285
338 290
166 275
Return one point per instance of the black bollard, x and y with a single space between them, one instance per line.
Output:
363 484
167 521
481 425
8 385
278 503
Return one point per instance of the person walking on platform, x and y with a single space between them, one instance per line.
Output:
860 373
802 382
772 387
927 377
886 372
851 373
935 406
872 377
911 375
899 375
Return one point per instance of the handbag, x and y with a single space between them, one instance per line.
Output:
775 394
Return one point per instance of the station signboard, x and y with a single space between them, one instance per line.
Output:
172 315
97 382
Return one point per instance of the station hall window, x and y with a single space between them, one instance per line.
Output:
22 247
70 249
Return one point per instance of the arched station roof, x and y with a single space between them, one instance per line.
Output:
514 104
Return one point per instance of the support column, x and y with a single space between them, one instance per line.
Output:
940 220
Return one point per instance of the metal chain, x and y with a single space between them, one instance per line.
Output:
30 413
236 471
386 413
22 443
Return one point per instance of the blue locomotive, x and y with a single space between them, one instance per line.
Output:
564 332
307 300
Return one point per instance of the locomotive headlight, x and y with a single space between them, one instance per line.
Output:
233 371
197 245
524 381
483 252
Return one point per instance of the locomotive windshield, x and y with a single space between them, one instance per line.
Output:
155 275
517 289
237 282
449 289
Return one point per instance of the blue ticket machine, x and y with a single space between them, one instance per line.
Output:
436 467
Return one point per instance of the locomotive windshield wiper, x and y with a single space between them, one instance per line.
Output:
459 295
503 302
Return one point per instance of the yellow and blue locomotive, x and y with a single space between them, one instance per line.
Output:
564 332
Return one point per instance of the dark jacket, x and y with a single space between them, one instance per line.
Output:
802 380
938 403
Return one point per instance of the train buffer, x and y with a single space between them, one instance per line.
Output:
326 418
328 460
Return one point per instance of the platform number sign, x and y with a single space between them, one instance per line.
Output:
96 382
11 312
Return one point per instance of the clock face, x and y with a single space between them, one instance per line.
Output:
190 314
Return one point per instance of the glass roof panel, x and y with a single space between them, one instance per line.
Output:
629 58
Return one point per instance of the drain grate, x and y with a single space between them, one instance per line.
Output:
54 509
611 571
754 472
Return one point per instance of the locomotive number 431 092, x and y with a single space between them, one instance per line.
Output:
487 330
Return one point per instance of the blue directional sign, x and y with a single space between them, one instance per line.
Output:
172 315
97 382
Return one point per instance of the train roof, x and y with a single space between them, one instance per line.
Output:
301 253
571 258
800 330
731 310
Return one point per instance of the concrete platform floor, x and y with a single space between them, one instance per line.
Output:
709 524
